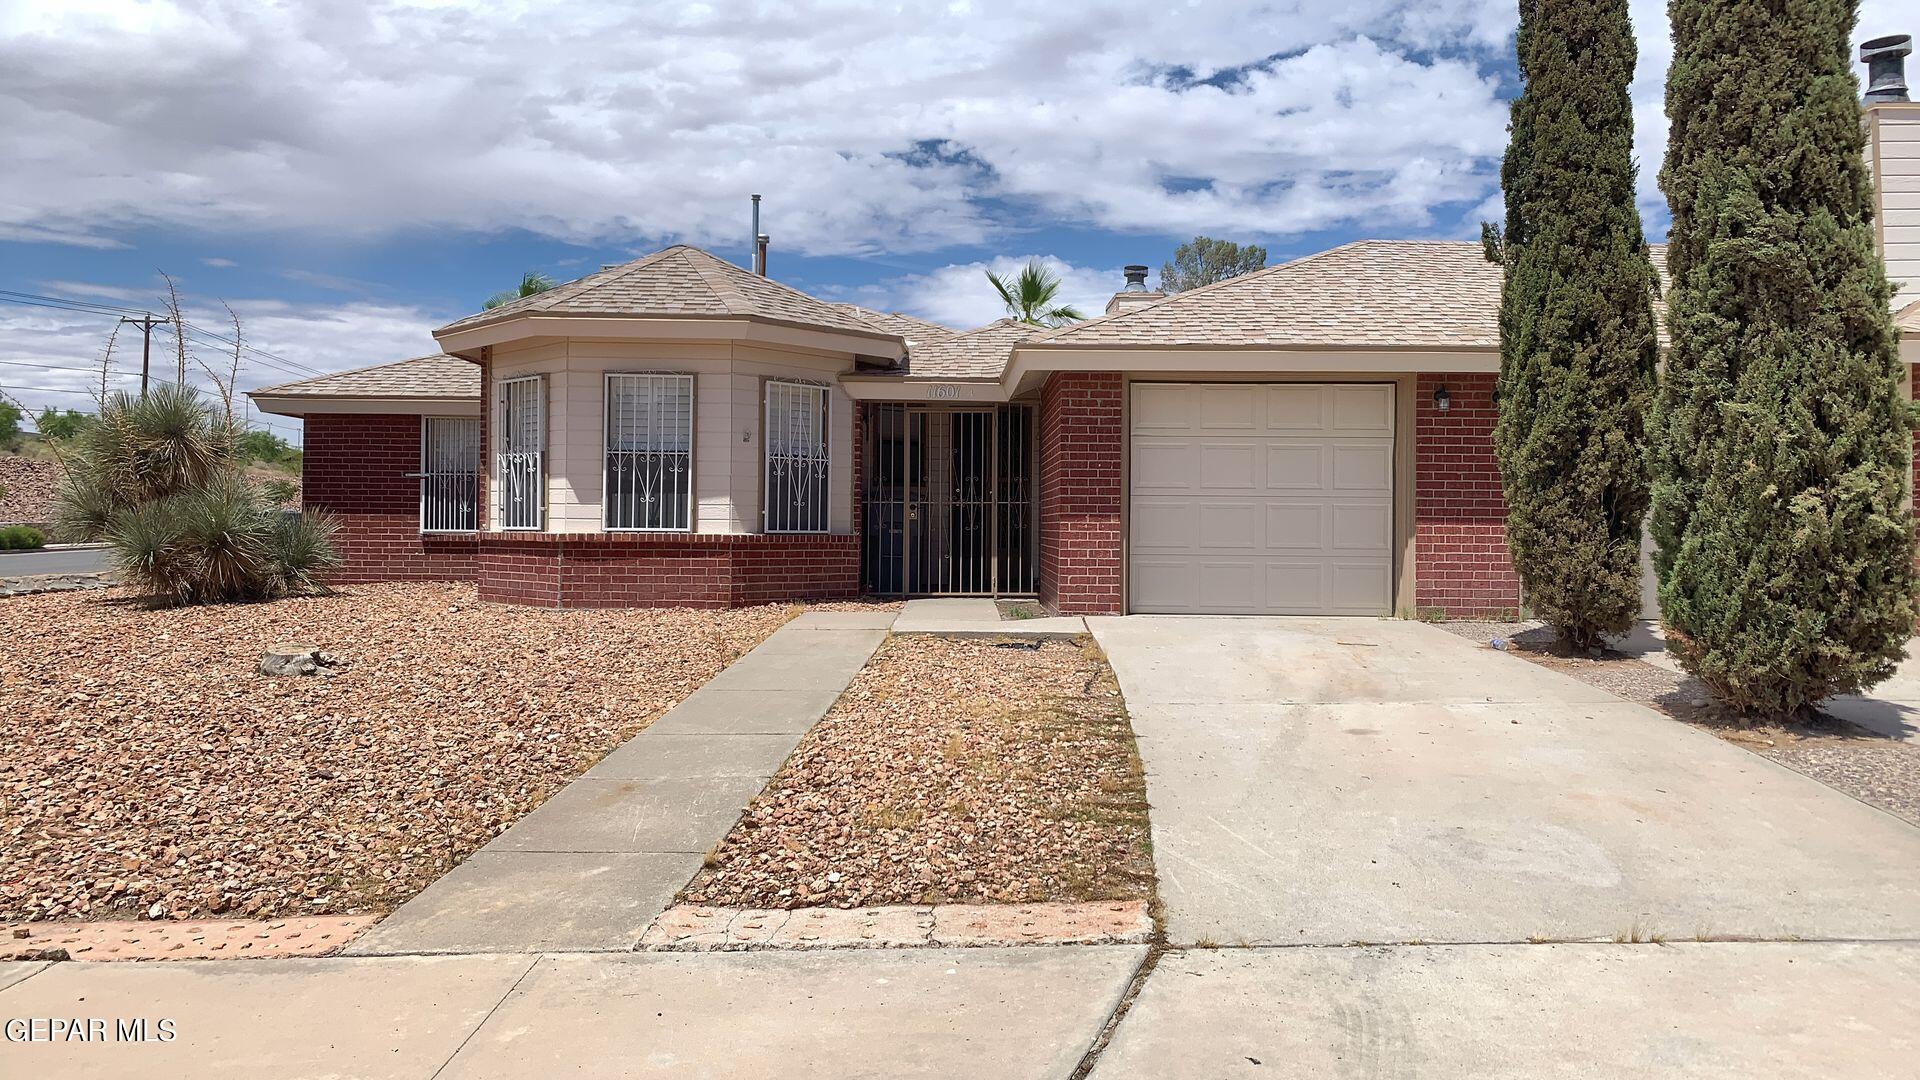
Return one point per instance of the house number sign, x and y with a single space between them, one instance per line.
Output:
942 392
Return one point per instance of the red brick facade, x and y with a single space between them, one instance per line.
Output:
1460 512
1083 439
355 468
666 569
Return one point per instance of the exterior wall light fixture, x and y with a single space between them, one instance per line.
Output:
1442 400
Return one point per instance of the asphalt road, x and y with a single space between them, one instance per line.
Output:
52 561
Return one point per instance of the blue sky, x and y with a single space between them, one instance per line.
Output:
349 176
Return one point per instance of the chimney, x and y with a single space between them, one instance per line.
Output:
1893 134
1886 60
1135 293
760 243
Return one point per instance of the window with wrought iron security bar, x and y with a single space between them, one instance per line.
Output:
449 473
649 481
521 420
797 458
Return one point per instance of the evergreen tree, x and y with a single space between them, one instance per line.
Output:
1577 342
1203 261
1782 441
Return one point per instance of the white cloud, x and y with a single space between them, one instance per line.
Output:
867 128
53 356
959 295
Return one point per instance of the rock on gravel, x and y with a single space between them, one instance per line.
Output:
950 771
150 771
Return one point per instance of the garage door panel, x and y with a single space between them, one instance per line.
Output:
1164 524
1162 464
1299 407
1262 498
1161 407
1230 466
1221 410
1360 527
1362 467
1229 526
1358 409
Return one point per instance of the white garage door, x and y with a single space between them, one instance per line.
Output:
1254 498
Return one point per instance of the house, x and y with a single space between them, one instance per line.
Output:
1311 438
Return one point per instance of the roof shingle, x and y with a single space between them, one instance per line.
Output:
436 376
1434 294
907 326
976 354
678 282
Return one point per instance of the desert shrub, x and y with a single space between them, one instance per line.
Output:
160 480
21 538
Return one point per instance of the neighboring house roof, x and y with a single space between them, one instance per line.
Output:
436 376
1432 294
1908 318
678 282
908 327
976 354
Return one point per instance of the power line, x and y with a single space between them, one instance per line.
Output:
62 303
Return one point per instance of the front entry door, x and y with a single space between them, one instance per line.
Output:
948 504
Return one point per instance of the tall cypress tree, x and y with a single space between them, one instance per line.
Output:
1577 341
1781 437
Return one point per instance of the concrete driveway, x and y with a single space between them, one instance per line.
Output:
1363 780
1488 830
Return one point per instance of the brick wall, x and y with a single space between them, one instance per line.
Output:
355 468
665 570
1460 513
1082 443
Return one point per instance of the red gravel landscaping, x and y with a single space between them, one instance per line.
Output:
150 772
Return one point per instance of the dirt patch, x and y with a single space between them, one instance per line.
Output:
27 489
968 771
150 772
1876 770
700 928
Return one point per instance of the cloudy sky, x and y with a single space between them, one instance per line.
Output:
350 175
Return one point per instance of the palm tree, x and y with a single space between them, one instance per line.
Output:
532 283
1030 297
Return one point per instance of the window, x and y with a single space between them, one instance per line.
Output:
449 474
522 440
650 452
796 448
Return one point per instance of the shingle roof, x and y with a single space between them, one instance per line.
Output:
981 353
1908 318
436 376
678 282
893 322
1434 294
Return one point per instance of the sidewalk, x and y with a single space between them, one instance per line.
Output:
591 867
1009 1014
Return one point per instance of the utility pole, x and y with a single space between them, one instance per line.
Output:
146 323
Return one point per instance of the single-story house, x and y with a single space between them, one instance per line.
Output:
1311 438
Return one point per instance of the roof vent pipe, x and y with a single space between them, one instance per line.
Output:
760 242
1136 277
753 245
1886 60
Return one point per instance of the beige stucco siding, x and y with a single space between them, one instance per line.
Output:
728 388
1894 153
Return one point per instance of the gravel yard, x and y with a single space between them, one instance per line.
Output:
151 773
951 771
1875 770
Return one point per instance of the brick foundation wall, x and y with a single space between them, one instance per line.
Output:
665 570
1460 512
1082 446
355 468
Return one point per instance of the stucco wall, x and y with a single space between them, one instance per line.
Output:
728 402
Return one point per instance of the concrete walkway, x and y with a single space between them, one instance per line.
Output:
1009 1014
590 868
979 617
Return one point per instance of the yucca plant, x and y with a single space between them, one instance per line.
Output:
159 479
